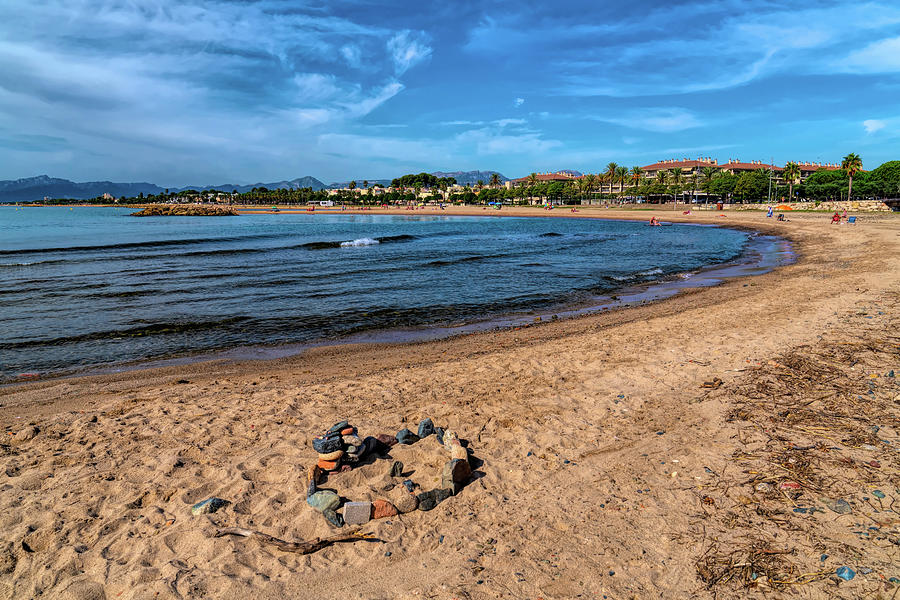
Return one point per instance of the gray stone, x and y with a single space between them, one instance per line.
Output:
210 505
430 499
324 500
426 428
405 436
397 469
357 513
455 473
333 517
337 427
327 444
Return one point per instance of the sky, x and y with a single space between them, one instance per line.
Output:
202 92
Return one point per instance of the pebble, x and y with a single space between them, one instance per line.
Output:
333 517
324 445
210 505
357 513
327 465
840 506
331 456
845 573
789 485
430 499
382 509
405 436
324 500
410 486
426 428
369 446
352 440
439 432
338 427
387 439
455 472
397 469
349 431
878 494
459 453
403 500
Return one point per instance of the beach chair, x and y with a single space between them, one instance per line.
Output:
851 220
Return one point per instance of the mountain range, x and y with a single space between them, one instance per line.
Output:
31 189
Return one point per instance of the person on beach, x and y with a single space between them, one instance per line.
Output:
769 212
836 218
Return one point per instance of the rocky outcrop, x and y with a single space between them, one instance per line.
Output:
185 210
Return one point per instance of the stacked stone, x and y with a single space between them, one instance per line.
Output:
340 447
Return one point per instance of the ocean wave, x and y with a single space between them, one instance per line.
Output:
148 329
367 241
360 242
147 244
456 261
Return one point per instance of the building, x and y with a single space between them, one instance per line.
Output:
736 166
541 178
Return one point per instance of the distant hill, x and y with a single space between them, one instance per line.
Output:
37 188
464 177
32 189
294 184
340 185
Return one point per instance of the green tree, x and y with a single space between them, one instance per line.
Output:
495 180
637 174
610 175
852 163
791 175
621 178
752 185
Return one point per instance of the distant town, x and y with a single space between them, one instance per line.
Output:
679 180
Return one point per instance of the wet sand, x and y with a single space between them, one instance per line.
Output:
604 467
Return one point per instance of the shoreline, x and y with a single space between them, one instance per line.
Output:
656 290
606 464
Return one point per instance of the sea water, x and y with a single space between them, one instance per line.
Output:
85 287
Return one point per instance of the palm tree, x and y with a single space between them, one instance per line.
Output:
677 179
637 174
495 180
611 175
791 174
366 183
621 178
590 181
852 163
352 185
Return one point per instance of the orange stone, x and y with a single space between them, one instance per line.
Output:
327 465
382 509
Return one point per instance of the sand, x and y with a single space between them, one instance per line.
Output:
604 467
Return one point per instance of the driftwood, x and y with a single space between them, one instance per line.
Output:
307 547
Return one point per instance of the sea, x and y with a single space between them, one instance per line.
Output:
83 289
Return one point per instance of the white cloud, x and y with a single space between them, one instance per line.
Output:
879 57
873 125
408 50
518 102
661 120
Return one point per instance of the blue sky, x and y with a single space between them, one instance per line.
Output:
203 92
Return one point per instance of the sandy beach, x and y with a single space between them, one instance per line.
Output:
725 443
